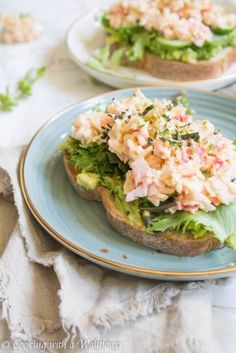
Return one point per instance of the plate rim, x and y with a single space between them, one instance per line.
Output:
162 82
88 254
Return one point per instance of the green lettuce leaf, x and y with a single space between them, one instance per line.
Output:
231 241
96 64
140 40
116 58
129 209
100 59
104 61
221 222
121 35
103 55
93 158
140 43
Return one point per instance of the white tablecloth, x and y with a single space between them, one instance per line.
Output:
64 84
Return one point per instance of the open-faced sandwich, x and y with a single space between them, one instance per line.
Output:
166 181
172 39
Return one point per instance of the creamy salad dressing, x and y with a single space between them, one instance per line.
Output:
182 19
169 153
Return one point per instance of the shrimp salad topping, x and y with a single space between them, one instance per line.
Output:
169 155
183 30
189 20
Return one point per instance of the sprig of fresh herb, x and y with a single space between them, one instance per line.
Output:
24 89
7 102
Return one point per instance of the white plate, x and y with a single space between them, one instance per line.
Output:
86 35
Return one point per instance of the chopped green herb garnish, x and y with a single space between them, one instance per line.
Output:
171 140
182 99
166 117
210 146
147 109
150 140
193 135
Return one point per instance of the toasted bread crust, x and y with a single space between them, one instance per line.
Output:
71 173
182 71
168 242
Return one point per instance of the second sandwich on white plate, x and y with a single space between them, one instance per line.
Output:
165 42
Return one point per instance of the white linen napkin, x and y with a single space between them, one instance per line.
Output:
49 294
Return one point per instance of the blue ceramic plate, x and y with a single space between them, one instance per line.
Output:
82 226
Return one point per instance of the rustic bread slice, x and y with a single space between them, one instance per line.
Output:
71 173
182 71
169 242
